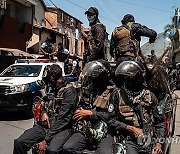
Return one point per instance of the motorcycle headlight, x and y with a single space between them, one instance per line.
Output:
19 88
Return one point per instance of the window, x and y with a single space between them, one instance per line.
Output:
71 22
62 17
68 20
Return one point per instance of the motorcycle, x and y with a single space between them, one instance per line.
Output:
46 105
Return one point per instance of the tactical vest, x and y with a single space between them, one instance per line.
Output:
130 115
124 44
102 101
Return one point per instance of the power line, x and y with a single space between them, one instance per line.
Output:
114 12
53 4
161 22
46 2
76 4
145 6
113 21
101 8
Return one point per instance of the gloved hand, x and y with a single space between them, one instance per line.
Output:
151 40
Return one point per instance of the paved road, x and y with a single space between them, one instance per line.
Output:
175 148
12 125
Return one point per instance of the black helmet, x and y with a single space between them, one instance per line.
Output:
95 68
95 76
130 74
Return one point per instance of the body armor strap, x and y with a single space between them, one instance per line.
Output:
103 100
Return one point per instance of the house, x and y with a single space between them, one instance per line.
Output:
38 23
57 24
42 29
68 26
16 19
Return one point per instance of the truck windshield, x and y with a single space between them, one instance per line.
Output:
22 70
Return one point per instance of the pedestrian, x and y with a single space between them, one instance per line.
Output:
140 116
125 40
94 109
96 36
62 53
153 57
51 139
47 48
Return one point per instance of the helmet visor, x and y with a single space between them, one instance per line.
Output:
93 69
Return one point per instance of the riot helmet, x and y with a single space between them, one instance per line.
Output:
130 75
95 77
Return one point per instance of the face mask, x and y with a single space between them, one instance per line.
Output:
91 19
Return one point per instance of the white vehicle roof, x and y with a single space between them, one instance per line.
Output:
16 80
43 62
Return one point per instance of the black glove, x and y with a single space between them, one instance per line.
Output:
151 40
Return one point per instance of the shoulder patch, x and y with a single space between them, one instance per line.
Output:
111 108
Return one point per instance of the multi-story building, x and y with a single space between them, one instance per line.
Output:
55 23
176 37
16 18
68 26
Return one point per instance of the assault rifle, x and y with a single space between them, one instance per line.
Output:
144 140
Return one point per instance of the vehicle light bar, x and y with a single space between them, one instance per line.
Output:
32 61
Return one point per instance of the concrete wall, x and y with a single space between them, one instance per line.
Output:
39 14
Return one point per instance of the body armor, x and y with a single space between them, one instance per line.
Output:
124 43
98 130
131 115
91 42
102 101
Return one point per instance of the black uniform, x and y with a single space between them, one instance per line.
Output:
97 96
133 145
60 130
79 140
138 108
95 38
98 32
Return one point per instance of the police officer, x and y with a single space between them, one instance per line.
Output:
96 36
95 108
140 115
125 40
60 131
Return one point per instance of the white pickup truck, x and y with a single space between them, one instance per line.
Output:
15 83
